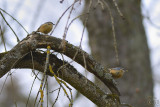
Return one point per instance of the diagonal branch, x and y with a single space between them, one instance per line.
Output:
70 75
36 40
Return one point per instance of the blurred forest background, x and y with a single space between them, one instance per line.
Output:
135 49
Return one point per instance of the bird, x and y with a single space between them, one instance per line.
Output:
45 28
117 72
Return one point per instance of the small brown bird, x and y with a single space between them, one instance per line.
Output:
117 72
45 28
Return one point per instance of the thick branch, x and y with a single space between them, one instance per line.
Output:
70 75
36 40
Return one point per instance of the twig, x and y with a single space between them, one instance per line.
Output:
90 4
66 27
114 35
15 20
44 74
13 89
61 17
2 37
59 89
33 70
119 11
4 83
9 26
47 88
60 82
31 89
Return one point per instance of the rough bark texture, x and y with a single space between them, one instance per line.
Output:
20 57
36 40
136 85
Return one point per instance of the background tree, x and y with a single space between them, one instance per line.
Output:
137 84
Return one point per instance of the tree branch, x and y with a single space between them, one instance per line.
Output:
70 75
36 40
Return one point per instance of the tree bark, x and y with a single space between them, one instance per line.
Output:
136 85
20 57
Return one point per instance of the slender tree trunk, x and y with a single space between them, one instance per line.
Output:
136 86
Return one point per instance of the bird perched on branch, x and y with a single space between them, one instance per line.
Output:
45 28
117 72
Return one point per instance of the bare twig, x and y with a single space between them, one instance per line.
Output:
15 20
2 37
47 88
59 89
87 17
60 82
113 30
119 11
31 89
90 4
33 70
4 83
66 26
61 17
9 26
15 102
44 74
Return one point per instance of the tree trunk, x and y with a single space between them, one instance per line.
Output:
136 86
